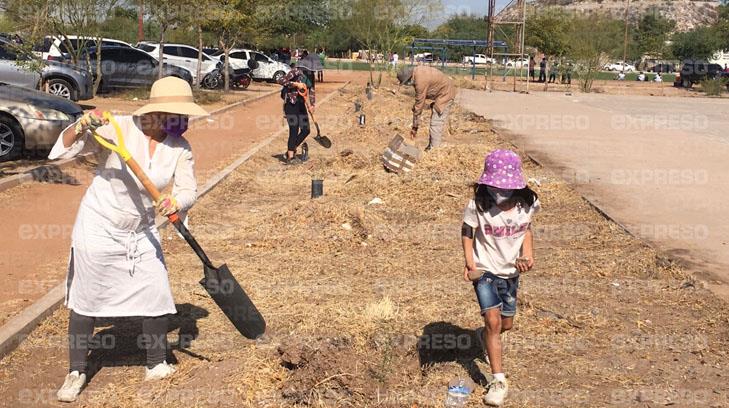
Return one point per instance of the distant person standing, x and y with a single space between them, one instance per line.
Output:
553 67
568 74
532 63
543 70
395 59
322 58
430 84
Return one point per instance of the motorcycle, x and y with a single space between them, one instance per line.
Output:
239 78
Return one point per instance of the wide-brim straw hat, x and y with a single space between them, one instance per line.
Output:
171 95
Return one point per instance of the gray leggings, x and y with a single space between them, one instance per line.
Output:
81 333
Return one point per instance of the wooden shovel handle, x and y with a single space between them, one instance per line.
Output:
148 185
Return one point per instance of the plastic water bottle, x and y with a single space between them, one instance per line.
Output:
458 393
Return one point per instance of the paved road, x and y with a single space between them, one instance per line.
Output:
658 165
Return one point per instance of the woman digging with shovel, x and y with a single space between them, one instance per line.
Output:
116 267
295 109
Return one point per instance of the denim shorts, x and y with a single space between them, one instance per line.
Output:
492 291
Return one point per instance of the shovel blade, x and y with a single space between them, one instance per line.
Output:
233 301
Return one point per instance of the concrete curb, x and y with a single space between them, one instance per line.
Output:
17 328
37 173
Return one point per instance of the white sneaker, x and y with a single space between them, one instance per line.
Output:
159 371
71 387
497 393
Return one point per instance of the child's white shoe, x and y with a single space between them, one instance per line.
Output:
497 393
71 387
158 372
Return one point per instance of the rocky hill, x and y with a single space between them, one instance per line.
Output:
687 14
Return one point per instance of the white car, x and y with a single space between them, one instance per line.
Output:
55 48
268 69
478 59
619 66
182 55
518 63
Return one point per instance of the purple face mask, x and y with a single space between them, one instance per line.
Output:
176 126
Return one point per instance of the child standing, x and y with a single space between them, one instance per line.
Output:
498 245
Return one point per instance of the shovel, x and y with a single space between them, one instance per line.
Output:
218 282
323 140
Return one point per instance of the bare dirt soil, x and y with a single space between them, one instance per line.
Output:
366 305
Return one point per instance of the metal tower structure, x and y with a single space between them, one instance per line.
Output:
515 38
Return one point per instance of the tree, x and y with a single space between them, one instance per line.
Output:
595 38
380 26
230 20
62 18
698 44
721 27
166 14
549 31
651 35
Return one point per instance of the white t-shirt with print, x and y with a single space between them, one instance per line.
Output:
498 236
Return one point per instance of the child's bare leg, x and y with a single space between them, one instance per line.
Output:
506 323
492 337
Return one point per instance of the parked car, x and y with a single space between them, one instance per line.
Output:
123 67
32 120
56 48
663 68
619 66
63 80
268 69
517 63
693 72
182 55
478 59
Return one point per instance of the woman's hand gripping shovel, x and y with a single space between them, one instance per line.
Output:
218 282
322 140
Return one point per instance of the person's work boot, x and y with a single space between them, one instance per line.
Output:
71 387
304 152
158 372
497 393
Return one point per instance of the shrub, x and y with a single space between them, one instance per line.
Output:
714 87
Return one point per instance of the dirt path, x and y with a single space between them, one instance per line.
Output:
365 304
36 229
654 164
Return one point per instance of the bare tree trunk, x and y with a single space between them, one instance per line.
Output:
225 70
99 74
162 30
199 55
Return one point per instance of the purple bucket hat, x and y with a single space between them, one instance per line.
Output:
502 169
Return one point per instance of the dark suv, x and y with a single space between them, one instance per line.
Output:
693 72
125 67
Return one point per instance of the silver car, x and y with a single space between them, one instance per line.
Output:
62 79
32 120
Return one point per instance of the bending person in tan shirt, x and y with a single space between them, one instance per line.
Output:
430 84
